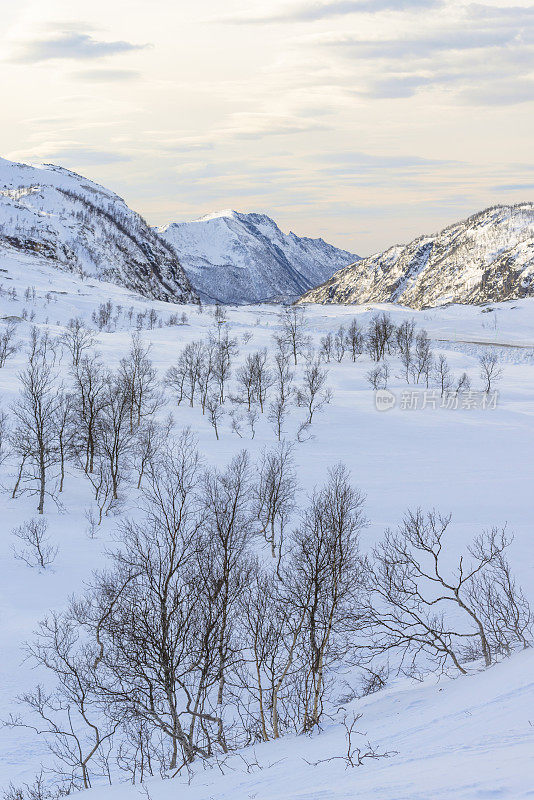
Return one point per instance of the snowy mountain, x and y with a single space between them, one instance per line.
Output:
82 227
487 257
245 258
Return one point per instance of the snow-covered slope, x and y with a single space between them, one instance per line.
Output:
82 227
245 258
468 738
464 739
487 257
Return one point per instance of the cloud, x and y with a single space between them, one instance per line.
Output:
513 187
369 161
500 93
72 45
86 156
311 12
108 75
396 87
255 125
423 46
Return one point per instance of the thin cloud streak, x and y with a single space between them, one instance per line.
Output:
73 45
321 11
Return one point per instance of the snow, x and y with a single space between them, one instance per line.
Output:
488 257
242 258
84 228
467 738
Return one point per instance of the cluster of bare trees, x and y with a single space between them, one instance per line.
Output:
204 375
382 339
105 423
102 421
196 640
108 317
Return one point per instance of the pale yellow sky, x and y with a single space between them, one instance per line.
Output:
366 122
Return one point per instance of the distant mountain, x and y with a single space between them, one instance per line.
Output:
82 227
487 257
245 258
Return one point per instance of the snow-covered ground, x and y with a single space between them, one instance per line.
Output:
462 738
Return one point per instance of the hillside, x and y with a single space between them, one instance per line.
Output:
245 258
447 735
487 257
77 225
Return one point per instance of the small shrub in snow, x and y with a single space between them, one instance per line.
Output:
35 549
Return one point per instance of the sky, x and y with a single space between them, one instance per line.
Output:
366 122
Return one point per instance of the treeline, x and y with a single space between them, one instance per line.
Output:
381 340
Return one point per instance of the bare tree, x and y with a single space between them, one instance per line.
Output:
228 531
8 344
274 677
323 577
144 617
274 494
215 411
293 330
184 377
150 441
113 433
4 436
282 381
77 339
326 347
442 374
355 340
490 372
378 376
36 549
405 335
139 376
340 340
225 350
422 358
312 394
379 338
69 717
89 399
414 589
65 431
463 384
34 438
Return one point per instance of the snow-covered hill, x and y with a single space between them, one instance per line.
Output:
84 228
245 258
468 738
487 257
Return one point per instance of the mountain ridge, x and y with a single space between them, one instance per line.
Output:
85 228
244 257
487 257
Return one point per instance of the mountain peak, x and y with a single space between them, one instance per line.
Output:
225 212
250 260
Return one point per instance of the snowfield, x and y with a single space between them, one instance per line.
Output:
463 738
